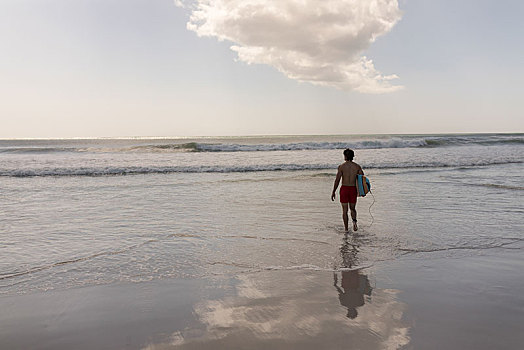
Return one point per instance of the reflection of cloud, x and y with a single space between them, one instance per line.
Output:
320 42
293 310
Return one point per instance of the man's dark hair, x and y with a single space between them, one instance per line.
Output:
349 154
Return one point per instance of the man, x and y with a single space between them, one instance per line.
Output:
348 172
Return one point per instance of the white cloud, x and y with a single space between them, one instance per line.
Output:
316 41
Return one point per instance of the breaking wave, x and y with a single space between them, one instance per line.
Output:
135 170
226 147
366 144
22 150
395 142
371 143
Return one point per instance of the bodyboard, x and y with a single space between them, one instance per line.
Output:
363 185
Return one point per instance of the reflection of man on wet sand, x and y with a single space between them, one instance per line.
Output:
354 287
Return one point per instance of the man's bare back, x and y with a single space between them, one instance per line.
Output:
349 170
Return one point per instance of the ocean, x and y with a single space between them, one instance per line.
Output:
233 212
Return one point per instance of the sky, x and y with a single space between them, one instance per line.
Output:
115 68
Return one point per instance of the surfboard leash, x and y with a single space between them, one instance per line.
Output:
372 218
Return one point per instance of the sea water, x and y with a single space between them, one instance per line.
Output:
102 211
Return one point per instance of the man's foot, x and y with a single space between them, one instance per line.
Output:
355 227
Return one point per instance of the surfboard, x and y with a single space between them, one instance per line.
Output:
363 185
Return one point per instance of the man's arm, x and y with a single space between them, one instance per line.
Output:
360 171
337 181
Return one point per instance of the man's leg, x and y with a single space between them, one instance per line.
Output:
345 215
353 215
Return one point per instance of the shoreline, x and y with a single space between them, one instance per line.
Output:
413 304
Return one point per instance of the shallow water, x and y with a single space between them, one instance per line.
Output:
67 231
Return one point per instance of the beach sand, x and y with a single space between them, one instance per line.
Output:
467 303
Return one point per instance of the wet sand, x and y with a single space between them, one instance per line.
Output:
474 302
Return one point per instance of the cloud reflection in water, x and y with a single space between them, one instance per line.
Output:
296 309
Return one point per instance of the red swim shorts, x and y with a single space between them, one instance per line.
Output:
348 194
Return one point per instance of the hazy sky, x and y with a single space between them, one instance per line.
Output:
88 68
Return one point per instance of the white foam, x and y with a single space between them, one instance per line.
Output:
137 170
365 144
316 268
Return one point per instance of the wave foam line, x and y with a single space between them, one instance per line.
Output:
274 239
159 170
114 171
308 267
23 150
316 268
394 142
72 261
372 143
6 276
301 146
505 187
442 249
229 147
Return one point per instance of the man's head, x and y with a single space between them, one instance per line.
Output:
348 154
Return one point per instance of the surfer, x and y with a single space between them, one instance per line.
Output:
348 172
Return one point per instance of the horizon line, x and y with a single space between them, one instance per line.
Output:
245 136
